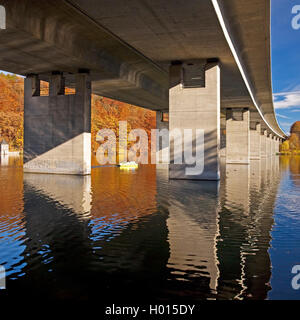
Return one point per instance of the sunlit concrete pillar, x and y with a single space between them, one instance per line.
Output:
162 141
194 105
280 143
273 146
263 144
272 149
255 141
269 144
237 136
277 145
57 127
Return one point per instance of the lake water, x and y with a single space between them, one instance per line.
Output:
134 236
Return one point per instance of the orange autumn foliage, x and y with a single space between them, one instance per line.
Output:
106 113
11 110
292 144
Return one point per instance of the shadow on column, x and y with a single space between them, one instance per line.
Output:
57 127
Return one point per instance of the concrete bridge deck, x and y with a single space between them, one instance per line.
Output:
128 48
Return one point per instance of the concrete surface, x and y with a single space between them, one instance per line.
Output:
57 128
255 142
237 136
196 108
128 48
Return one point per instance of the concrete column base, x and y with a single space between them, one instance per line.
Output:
57 136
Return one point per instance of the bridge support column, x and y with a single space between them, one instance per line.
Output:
223 137
162 142
269 145
57 127
263 144
273 146
194 104
277 145
255 142
237 136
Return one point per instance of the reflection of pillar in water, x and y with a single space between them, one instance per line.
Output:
4 159
264 171
193 228
58 246
73 192
255 175
244 238
257 244
237 187
267 169
276 159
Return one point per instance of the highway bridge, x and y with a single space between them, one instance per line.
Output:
206 63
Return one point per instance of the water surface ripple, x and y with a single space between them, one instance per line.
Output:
136 236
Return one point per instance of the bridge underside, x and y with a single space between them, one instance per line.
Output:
128 52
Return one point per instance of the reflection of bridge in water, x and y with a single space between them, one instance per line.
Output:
141 235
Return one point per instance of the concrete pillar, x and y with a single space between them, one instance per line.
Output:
255 142
277 145
273 146
223 136
269 144
280 143
237 136
57 127
263 144
162 146
194 104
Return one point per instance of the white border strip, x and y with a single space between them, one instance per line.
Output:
237 60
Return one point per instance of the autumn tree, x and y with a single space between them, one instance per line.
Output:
106 113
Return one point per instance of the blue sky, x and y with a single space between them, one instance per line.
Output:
286 61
